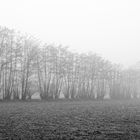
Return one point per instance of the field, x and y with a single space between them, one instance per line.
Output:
68 120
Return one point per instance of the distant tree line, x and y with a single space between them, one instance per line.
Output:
28 67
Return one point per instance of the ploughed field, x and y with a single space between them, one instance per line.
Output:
68 120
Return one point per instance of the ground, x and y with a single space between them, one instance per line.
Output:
68 120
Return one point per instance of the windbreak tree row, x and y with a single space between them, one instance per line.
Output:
27 67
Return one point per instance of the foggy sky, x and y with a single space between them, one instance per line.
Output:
106 27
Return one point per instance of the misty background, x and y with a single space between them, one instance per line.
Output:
69 69
108 28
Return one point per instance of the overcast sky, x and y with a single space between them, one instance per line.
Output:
110 28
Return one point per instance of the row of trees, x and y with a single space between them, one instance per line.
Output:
28 67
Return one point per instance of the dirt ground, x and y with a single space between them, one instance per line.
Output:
68 120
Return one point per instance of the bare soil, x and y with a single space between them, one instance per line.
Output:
68 120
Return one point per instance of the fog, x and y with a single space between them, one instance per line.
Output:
108 28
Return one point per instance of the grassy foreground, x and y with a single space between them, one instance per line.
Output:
70 120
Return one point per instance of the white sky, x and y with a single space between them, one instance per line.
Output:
110 28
